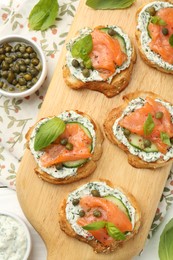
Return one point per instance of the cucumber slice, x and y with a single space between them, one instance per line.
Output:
119 38
78 163
119 204
138 142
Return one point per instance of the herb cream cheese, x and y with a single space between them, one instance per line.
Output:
67 116
72 212
119 134
143 20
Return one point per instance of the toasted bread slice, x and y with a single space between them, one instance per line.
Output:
117 84
97 246
82 171
116 113
144 51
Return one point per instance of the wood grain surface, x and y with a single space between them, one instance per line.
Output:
40 200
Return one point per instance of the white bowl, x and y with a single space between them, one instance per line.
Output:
13 219
38 50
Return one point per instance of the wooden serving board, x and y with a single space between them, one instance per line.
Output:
40 200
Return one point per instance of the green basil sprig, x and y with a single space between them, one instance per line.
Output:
166 242
48 132
171 40
109 4
165 138
82 48
43 14
148 125
112 230
157 20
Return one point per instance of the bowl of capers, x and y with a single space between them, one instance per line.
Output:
22 66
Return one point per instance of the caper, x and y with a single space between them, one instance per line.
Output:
16 68
2 51
159 115
95 193
111 32
32 55
4 74
25 55
8 48
34 80
97 213
165 31
86 73
17 46
147 143
22 68
151 10
171 140
59 166
10 77
34 72
8 60
5 65
35 61
82 65
29 49
21 62
75 63
64 141
75 202
22 48
1 84
127 132
5 86
2 57
19 55
14 82
69 146
11 89
39 66
13 57
81 213
21 81
27 61
28 77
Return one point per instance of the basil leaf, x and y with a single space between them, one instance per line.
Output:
171 40
157 20
109 4
82 48
43 14
114 232
48 132
166 242
95 225
165 138
148 125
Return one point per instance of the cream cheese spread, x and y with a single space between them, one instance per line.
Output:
143 20
72 212
67 116
119 134
13 240
94 74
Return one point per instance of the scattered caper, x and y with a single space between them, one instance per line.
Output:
171 140
159 115
111 32
75 63
151 10
147 143
95 193
127 132
97 213
165 31
75 202
59 166
69 146
81 213
64 141
86 73
82 65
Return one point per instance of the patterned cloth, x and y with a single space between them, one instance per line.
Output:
17 115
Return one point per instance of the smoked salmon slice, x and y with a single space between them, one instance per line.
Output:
109 212
160 42
56 153
106 53
135 123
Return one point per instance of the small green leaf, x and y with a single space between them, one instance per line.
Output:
149 125
171 40
166 242
43 14
82 48
48 132
165 138
114 232
109 4
157 20
95 225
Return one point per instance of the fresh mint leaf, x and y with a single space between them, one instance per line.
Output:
166 242
95 225
109 4
165 138
114 232
148 125
171 40
157 20
48 132
43 14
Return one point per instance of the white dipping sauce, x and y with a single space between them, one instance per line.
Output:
13 239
